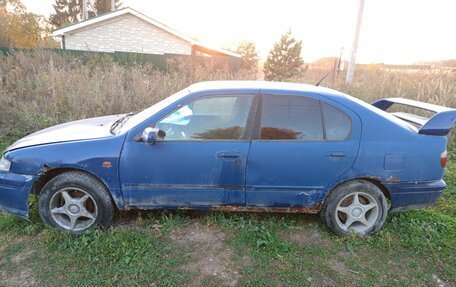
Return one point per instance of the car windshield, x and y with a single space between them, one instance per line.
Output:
140 117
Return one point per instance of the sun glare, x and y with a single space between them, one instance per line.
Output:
397 32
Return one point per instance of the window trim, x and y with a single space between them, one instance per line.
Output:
257 130
248 126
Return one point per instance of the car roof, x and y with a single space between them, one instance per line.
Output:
357 105
260 85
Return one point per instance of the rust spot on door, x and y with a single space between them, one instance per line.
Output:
233 208
393 179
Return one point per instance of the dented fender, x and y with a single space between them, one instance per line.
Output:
29 164
14 193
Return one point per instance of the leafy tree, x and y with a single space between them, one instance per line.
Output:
70 11
284 61
5 36
104 6
18 27
14 6
66 12
249 56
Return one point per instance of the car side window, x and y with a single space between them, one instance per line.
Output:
337 123
287 117
208 118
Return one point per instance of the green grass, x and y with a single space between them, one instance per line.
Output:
110 257
409 239
3 146
103 257
266 249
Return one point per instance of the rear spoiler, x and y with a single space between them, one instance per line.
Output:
440 124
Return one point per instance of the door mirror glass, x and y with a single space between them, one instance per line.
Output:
150 135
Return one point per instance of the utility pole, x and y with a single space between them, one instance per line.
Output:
352 63
340 66
113 5
85 14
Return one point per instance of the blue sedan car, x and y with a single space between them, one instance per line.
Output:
235 146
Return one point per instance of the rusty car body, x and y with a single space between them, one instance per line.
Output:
234 146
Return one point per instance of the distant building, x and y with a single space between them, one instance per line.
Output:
127 30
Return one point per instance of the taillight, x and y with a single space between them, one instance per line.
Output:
443 159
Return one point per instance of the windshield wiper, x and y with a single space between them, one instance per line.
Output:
119 121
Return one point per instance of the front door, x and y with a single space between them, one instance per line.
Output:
303 145
200 162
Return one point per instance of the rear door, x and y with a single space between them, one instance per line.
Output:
302 146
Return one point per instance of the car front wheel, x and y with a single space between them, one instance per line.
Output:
355 207
75 201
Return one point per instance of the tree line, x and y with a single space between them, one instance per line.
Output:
284 61
71 11
22 29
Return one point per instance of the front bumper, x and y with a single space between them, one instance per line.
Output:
411 195
14 192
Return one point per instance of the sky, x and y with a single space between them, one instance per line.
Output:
393 31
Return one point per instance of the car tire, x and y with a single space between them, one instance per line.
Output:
75 201
357 206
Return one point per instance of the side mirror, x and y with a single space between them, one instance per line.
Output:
150 135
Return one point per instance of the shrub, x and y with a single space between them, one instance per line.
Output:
43 88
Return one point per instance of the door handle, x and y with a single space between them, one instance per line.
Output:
336 154
229 154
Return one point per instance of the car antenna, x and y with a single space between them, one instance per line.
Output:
318 84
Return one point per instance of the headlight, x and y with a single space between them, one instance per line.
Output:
5 164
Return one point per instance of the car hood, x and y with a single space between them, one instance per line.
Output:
92 128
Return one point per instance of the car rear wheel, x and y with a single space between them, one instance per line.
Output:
355 207
74 202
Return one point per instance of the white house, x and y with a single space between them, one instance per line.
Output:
127 30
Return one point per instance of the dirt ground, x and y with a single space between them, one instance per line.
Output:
211 258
